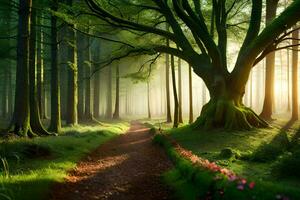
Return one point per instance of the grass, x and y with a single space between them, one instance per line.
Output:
262 155
31 166
192 182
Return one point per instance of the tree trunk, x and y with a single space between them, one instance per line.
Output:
288 79
180 120
226 110
251 90
148 99
35 121
109 94
55 123
117 102
10 90
97 78
295 35
191 113
40 69
176 103
5 83
88 111
63 70
72 115
20 122
81 48
169 118
270 67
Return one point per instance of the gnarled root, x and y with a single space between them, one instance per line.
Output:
225 114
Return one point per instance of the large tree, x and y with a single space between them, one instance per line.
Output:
21 117
207 55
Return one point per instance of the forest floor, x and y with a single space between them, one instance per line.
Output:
127 167
269 156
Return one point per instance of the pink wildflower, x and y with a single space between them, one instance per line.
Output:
243 181
240 187
251 185
232 178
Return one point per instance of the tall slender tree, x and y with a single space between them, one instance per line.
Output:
180 120
168 102
40 67
108 113
88 111
81 49
116 114
148 99
72 94
55 122
270 66
97 82
191 113
295 104
175 95
288 79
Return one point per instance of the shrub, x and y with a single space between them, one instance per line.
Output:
226 153
269 152
287 165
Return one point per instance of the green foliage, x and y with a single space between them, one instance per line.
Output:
270 151
226 153
29 167
288 165
267 152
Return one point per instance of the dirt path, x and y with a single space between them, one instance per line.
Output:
128 167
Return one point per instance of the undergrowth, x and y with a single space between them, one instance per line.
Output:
192 182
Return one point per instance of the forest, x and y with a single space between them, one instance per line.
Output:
149 99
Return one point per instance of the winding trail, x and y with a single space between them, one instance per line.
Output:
128 167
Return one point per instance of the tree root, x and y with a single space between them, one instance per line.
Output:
225 114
